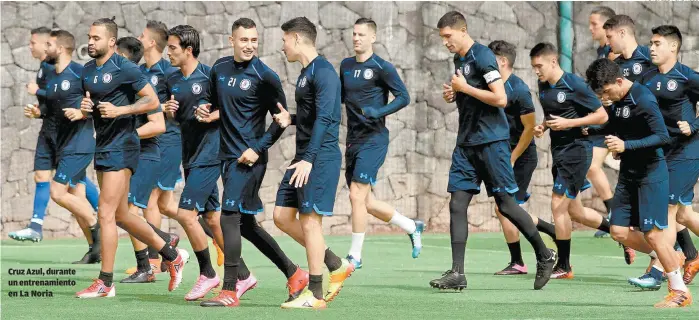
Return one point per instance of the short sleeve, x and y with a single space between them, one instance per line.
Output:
585 97
488 66
134 78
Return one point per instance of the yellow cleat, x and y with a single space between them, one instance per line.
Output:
131 270
219 255
337 279
305 300
675 299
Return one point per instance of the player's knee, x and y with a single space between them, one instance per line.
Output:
459 202
357 197
619 234
105 218
681 217
281 220
654 237
41 176
57 194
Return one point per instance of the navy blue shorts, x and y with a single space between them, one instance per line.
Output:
71 169
683 176
597 141
488 163
45 156
318 194
117 160
170 161
523 170
201 189
143 182
241 186
570 165
641 204
363 161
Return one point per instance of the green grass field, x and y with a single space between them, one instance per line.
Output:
391 285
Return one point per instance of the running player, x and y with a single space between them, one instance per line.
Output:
244 90
521 118
310 182
482 152
45 156
366 81
568 104
638 132
111 84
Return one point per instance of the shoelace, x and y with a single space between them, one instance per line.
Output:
95 284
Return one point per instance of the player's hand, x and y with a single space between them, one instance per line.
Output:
539 130
248 157
301 174
607 102
458 82
32 111
283 118
448 93
203 113
512 160
171 106
685 128
32 88
585 131
557 123
86 104
614 144
73 114
108 110
616 156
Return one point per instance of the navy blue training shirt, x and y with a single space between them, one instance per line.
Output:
244 92
117 81
200 141
65 90
569 98
634 67
676 92
43 76
157 75
318 114
365 89
603 52
479 122
519 103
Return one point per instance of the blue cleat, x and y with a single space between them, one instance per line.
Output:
26 234
646 282
601 234
357 263
416 237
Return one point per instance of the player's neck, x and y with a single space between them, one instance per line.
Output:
62 63
307 55
364 56
102 60
602 42
668 65
152 57
189 67
505 74
630 48
626 87
43 57
468 43
556 75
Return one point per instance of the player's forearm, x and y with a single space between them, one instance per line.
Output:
596 118
488 97
215 116
600 130
151 129
401 101
44 110
524 141
273 133
652 141
144 105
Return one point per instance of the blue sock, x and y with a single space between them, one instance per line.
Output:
91 193
656 274
42 194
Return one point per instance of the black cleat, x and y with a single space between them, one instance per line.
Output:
90 257
450 280
544 269
140 277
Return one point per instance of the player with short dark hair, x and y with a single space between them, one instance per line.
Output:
130 48
482 152
245 90
112 83
521 118
309 184
568 104
636 133
366 80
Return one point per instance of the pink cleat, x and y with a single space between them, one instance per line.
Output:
512 268
202 287
242 286
97 290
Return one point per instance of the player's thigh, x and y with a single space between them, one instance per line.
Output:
623 207
569 169
113 191
200 187
462 173
599 154
494 168
45 155
318 195
683 175
70 171
524 170
241 186
368 160
142 183
652 205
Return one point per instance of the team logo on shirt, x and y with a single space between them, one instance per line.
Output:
672 85
41 72
154 80
245 84
467 69
65 85
637 68
107 78
368 74
626 112
196 88
302 83
561 97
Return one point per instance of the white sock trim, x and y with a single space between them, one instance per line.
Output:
675 281
405 223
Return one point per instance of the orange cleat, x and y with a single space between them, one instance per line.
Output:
690 270
225 298
298 281
675 299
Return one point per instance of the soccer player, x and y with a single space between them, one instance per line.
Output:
45 156
245 90
482 152
521 118
568 104
638 132
676 87
310 182
596 175
366 81
111 84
